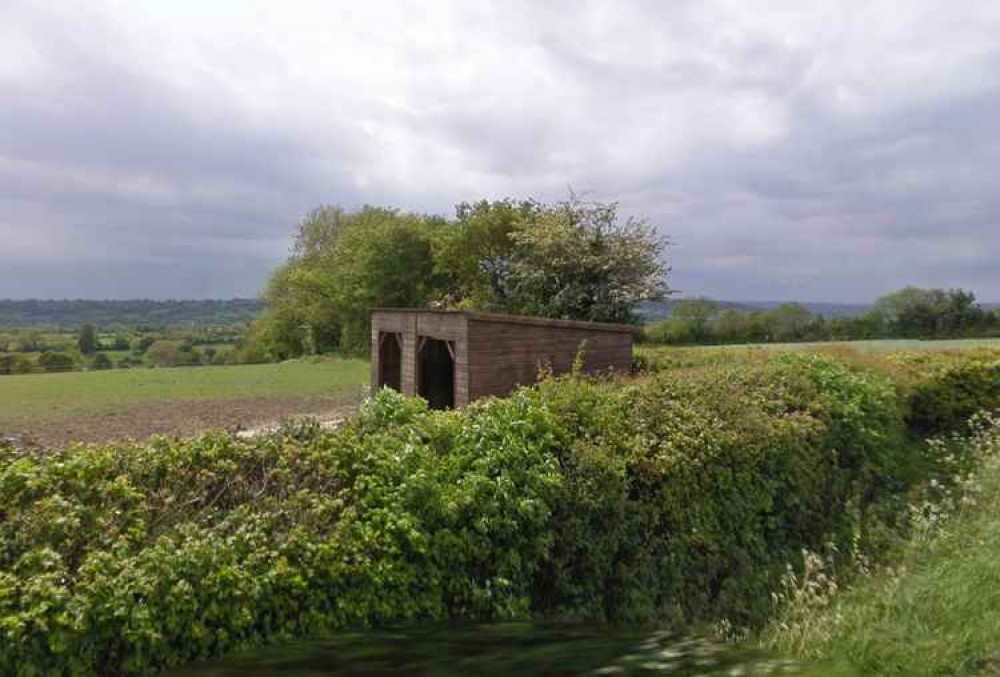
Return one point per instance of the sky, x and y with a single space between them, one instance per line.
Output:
820 151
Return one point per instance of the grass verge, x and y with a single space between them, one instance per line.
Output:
936 611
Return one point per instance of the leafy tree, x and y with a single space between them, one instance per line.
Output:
101 361
474 255
383 260
578 260
690 322
573 260
15 364
140 345
924 313
302 314
55 362
29 341
695 316
792 322
341 267
166 354
736 326
87 342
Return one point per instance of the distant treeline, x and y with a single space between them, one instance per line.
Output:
29 350
910 313
656 311
71 314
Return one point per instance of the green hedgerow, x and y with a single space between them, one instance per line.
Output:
952 394
673 496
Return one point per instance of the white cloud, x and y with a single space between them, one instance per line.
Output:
792 150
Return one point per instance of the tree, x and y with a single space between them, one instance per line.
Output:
473 256
577 260
55 362
341 267
101 361
695 317
87 342
790 322
735 326
925 313
15 364
300 304
384 260
573 260
166 354
140 345
29 340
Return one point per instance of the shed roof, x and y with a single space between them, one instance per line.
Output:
519 319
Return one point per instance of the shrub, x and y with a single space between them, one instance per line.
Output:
952 394
102 361
55 362
167 354
15 364
678 498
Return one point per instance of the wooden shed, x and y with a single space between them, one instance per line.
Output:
451 358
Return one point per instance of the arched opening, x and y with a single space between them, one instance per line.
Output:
390 360
436 373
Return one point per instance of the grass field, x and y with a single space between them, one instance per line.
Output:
57 396
876 346
98 405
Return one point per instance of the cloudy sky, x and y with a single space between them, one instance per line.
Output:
814 151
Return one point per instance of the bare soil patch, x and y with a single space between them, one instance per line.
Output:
177 418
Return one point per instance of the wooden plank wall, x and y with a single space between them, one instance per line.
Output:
503 355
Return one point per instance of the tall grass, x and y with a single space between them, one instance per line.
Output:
936 611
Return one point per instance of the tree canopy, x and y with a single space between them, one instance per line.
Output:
573 260
907 313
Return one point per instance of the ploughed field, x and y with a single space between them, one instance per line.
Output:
98 406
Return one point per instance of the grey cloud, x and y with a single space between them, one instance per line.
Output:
789 154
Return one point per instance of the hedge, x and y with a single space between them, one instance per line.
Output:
947 398
658 498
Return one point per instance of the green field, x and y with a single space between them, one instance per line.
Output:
875 346
51 397
894 345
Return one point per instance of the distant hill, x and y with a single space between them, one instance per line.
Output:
138 313
654 312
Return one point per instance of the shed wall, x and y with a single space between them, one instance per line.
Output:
503 355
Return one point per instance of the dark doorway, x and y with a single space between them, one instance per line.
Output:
436 375
390 360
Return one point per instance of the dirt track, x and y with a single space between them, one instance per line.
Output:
177 418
